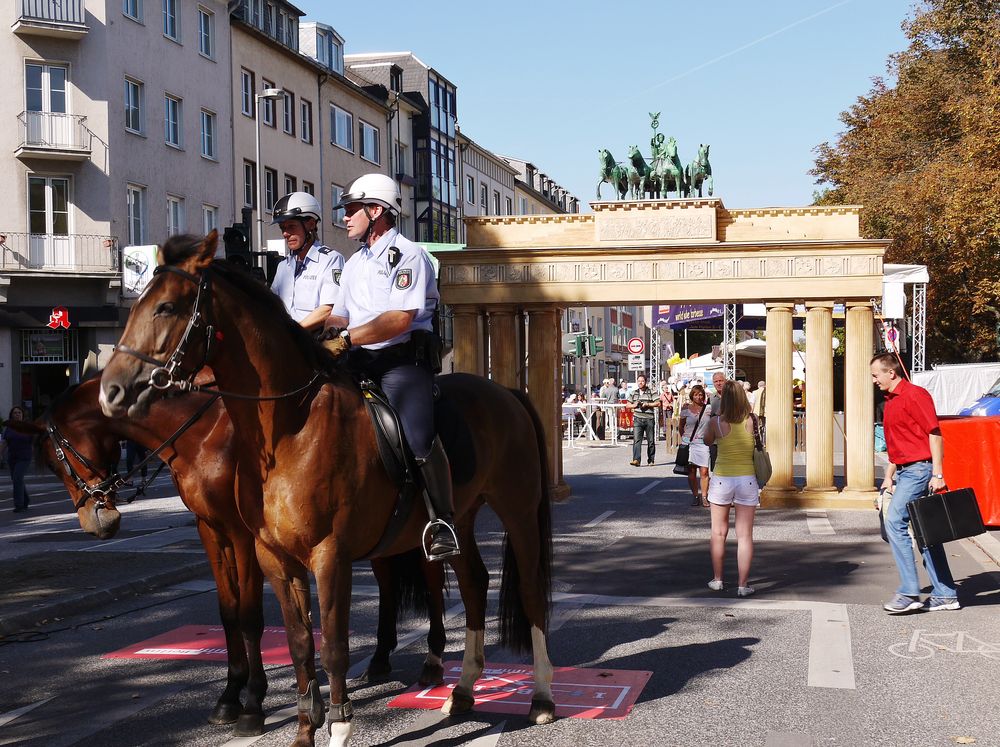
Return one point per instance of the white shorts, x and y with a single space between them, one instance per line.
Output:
742 490
699 455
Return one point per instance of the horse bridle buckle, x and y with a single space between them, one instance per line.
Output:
161 378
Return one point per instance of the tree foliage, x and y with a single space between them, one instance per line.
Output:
923 158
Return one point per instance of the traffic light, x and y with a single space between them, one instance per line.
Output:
581 346
575 344
236 240
596 345
273 259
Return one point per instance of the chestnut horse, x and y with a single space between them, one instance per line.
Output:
81 446
311 484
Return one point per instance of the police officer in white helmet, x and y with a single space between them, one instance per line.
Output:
308 280
386 314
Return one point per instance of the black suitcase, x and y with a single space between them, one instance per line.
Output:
944 517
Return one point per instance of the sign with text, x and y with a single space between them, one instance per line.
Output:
683 314
507 688
138 263
636 362
636 345
206 643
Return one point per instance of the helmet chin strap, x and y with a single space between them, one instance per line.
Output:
371 226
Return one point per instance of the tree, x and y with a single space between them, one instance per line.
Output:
923 158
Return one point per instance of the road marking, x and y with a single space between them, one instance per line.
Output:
598 520
6 718
818 523
831 659
649 487
563 613
150 541
424 735
417 633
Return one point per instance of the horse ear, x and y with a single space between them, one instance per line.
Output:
159 256
206 254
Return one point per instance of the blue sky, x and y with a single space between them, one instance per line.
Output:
762 81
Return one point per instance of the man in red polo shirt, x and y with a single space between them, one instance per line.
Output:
916 452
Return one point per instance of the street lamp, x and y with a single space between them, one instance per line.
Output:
269 94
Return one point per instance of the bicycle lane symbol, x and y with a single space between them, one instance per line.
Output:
923 645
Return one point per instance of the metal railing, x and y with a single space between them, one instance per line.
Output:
59 252
54 11
54 131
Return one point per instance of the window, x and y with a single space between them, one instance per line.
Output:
401 160
45 88
338 213
306 121
288 123
133 9
308 188
524 205
175 215
342 128
510 206
395 79
368 136
470 190
269 18
270 188
172 121
133 106
496 202
337 56
290 184
483 196
207 134
48 210
171 21
246 90
249 184
136 211
206 32
267 112
210 217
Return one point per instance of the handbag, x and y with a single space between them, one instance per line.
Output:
683 458
944 517
762 469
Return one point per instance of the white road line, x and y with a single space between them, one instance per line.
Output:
649 487
818 523
563 613
490 738
598 520
150 541
831 660
6 718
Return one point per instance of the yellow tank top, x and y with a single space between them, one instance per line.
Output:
735 452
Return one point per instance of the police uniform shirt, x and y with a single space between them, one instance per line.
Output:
392 275
317 284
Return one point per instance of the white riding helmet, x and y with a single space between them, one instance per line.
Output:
299 205
374 189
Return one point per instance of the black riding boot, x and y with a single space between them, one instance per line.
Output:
437 481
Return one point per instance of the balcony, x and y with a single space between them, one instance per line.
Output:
59 253
60 137
58 19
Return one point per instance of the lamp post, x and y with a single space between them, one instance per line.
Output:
269 94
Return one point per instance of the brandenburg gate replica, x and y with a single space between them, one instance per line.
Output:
694 250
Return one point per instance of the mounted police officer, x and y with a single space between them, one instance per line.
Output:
308 280
386 313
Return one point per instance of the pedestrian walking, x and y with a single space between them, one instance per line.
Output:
666 410
694 419
643 402
715 402
16 447
916 452
733 482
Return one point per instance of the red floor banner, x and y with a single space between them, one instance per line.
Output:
206 643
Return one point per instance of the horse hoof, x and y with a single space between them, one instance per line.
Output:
225 713
431 674
249 725
376 672
457 703
542 712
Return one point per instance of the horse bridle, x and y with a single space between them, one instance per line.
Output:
100 492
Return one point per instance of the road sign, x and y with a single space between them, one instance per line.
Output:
636 345
636 362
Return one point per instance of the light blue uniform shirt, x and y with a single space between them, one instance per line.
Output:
393 275
317 285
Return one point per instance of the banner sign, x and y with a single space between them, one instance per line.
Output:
207 643
680 315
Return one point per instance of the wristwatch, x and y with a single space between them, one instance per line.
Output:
347 336
940 477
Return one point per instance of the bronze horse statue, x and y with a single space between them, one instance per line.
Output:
640 175
613 173
81 446
699 172
667 169
310 483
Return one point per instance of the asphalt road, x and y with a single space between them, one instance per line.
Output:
810 660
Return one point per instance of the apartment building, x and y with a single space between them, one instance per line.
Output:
120 139
488 182
536 192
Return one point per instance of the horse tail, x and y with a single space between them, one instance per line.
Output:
515 626
409 585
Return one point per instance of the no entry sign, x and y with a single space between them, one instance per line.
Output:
507 688
206 643
636 345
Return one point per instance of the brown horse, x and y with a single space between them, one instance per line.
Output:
81 445
311 485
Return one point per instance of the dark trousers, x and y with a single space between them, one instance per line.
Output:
642 426
409 387
18 470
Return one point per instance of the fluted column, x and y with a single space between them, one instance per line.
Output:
467 330
504 358
544 386
819 397
778 402
860 400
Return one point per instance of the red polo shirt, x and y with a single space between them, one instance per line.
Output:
909 418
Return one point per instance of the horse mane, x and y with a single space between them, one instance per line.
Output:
184 246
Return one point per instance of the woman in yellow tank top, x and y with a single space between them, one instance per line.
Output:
733 482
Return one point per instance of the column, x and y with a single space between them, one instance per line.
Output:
467 325
819 397
545 387
504 358
778 403
860 400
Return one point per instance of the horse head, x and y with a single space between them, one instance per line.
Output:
670 149
703 153
636 157
167 337
606 159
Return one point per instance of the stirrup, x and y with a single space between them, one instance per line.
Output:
427 535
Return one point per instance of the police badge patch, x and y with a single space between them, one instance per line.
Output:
403 279
336 276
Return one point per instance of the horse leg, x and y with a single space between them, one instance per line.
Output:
599 188
386 641
333 582
251 590
432 672
711 185
290 582
473 582
228 708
